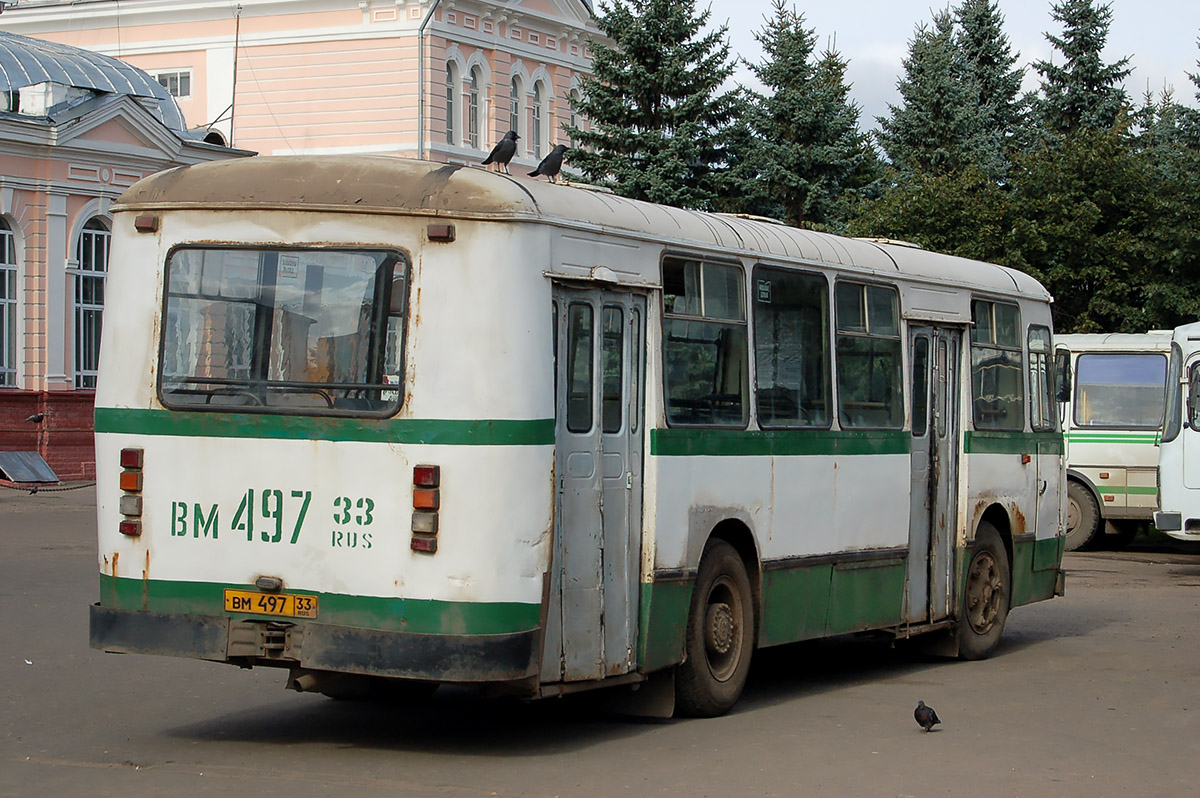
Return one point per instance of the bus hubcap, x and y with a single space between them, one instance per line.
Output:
984 592
722 629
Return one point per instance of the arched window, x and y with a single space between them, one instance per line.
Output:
539 140
516 107
450 91
91 254
573 101
473 109
8 305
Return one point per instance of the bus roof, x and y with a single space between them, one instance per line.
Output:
384 184
1152 341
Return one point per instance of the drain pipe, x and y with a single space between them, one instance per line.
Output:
421 87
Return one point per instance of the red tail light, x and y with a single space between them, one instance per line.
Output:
130 483
426 501
131 458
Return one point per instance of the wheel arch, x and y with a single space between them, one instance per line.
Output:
734 529
1076 476
999 518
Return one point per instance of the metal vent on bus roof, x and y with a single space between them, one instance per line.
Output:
894 241
753 217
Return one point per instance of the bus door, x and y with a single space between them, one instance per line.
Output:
934 359
591 628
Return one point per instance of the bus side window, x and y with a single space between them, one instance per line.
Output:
869 378
705 359
1041 390
1062 375
1193 400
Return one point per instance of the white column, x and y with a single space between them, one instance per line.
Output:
60 324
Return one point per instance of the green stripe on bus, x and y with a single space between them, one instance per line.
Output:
1112 437
421 616
990 442
448 432
744 443
1133 490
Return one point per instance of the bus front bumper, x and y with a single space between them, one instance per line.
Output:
318 646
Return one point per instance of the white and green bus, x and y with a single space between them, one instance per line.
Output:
1179 451
1112 414
379 421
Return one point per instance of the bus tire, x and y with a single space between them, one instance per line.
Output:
1083 517
720 635
987 593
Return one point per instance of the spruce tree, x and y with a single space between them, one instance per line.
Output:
1084 92
939 126
658 115
808 151
992 67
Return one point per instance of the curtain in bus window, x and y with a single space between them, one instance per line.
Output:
298 330
791 348
1120 390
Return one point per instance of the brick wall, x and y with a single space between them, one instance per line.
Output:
64 437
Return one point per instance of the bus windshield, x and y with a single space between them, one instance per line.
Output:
1120 390
309 331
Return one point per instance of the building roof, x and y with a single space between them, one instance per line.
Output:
25 61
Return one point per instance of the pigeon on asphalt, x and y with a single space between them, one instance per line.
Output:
504 151
925 716
551 164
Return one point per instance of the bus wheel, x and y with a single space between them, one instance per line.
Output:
720 635
986 595
1083 517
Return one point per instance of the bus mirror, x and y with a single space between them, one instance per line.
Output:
1062 375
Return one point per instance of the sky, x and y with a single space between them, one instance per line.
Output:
1159 37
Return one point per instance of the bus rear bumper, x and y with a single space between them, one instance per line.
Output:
1168 522
317 646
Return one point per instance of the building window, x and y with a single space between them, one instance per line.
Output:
178 83
539 141
8 306
450 81
92 257
515 109
473 109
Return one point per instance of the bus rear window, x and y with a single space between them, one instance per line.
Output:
316 332
1120 390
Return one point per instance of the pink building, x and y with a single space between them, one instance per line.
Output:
436 79
76 129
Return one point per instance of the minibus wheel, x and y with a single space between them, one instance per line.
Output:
720 635
1083 517
987 593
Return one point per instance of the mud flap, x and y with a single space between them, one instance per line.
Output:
653 698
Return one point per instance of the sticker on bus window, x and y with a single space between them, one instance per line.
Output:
764 291
390 396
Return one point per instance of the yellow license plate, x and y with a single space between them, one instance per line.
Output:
286 604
